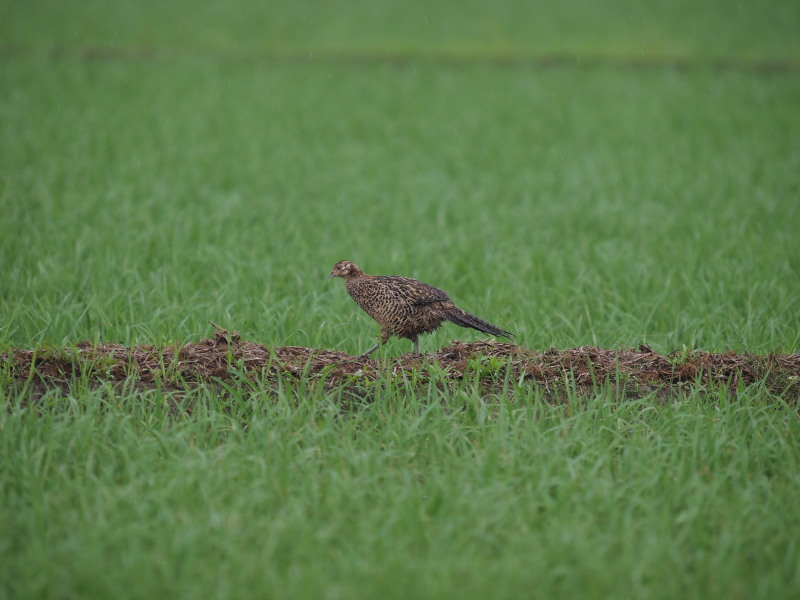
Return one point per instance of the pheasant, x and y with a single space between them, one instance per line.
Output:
405 307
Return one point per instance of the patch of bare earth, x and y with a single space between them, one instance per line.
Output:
226 357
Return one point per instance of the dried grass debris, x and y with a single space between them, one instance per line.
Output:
226 356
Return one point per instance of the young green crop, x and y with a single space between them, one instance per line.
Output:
109 496
571 206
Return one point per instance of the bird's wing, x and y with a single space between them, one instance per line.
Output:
412 291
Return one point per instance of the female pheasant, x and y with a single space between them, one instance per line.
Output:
405 307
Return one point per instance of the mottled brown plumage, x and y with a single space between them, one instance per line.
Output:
405 307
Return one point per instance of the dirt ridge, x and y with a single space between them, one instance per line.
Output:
226 356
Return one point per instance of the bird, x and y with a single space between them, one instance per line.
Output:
405 307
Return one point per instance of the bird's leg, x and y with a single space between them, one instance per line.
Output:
368 352
385 335
416 344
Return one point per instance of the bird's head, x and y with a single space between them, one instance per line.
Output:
346 269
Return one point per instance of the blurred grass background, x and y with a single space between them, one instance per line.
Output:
167 164
764 30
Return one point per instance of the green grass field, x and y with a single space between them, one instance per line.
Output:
603 175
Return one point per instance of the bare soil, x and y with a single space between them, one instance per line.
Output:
225 357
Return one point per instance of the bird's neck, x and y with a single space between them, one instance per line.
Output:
354 274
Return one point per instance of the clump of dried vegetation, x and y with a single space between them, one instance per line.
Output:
220 359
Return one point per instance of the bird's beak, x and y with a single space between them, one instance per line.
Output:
331 276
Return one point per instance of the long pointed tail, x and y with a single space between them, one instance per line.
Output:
464 319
